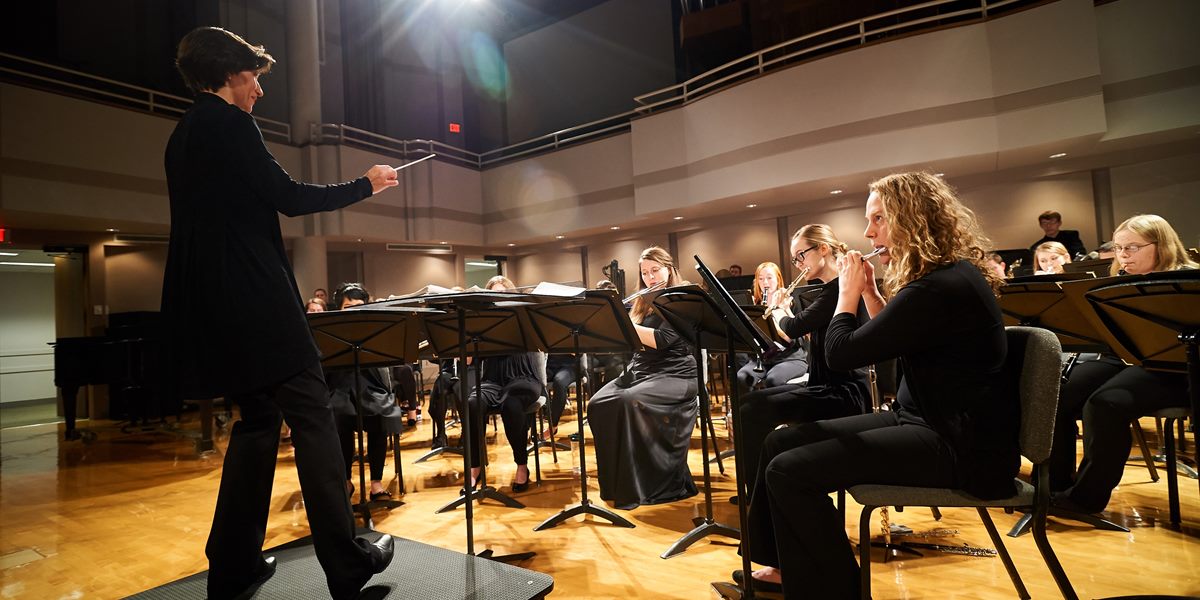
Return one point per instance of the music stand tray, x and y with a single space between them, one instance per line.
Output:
362 338
1153 321
596 323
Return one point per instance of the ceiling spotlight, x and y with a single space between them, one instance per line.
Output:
835 192
444 243
511 245
112 230
615 227
751 205
678 218
939 174
1059 155
360 239
559 237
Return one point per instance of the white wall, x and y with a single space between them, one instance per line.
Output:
26 325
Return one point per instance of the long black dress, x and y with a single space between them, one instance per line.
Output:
643 430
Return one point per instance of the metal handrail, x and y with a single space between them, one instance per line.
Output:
758 63
127 95
711 81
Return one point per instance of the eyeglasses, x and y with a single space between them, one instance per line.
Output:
1130 248
799 258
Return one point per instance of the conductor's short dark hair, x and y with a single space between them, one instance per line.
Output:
207 56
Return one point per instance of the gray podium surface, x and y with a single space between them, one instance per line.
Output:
417 571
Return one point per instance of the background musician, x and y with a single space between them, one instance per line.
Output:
1051 224
790 363
508 385
226 193
642 424
829 393
1107 393
955 419
376 397
1050 258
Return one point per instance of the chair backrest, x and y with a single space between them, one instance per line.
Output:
1035 356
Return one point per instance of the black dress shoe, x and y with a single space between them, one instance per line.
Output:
265 571
759 584
520 487
387 549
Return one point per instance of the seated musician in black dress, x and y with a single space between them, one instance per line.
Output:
956 417
642 422
828 393
376 397
1107 393
788 364
508 385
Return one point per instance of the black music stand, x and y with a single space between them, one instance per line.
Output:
1152 321
594 323
693 315
367 337
1041 301
738 330
492 324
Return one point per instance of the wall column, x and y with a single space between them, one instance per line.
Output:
310 262
1103 200
303 68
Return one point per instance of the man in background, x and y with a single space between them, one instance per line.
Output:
1051 224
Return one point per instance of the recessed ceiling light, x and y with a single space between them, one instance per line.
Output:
559 237
939 174
678 218
9 254
615 227
751 205
511 245
1059 155
445 243
835 192
112 230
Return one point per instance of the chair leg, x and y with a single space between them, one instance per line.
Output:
1147 456
536 433
864 550
937 513
841 504
399 467
1003 552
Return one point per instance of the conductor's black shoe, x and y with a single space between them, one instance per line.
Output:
387 549
759 584
264 572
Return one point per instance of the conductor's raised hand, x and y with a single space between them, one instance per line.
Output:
382 177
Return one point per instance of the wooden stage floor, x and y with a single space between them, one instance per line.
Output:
126 512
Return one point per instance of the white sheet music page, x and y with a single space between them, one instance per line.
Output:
547 288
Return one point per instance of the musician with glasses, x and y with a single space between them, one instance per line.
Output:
956 416
828 393
1106 393
642 421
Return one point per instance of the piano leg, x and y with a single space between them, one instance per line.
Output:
205 443
70 392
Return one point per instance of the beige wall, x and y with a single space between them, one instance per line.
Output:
746 243
386 273
134 276
1169 188
558 266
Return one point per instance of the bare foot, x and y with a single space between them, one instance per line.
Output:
770 574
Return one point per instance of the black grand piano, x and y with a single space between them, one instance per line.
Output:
128 359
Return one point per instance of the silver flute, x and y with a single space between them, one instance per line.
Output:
877 252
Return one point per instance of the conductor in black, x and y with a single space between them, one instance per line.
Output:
235 321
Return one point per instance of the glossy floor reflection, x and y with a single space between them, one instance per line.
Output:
128 511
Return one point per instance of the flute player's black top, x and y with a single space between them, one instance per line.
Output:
814 319
233 315
946 328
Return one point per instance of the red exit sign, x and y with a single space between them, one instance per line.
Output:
455 128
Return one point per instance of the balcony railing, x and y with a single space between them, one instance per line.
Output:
919 17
